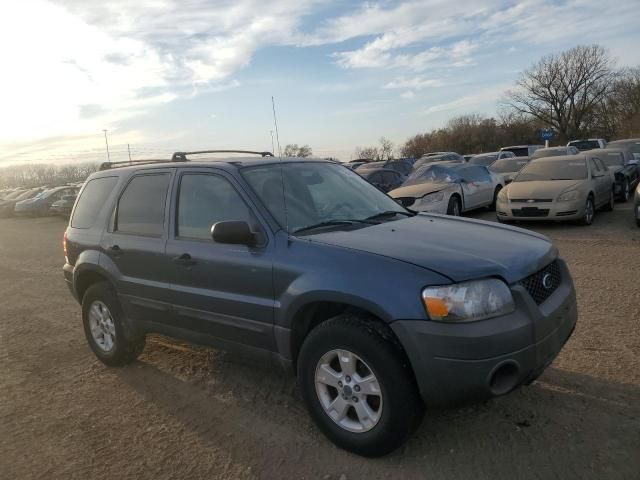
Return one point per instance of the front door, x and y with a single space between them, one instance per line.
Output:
220 290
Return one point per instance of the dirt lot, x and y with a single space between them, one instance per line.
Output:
187 412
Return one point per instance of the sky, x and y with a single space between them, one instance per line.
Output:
174 75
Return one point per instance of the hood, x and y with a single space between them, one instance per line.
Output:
418 190
458 248
541 189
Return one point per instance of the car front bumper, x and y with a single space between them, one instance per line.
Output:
465 362
554 211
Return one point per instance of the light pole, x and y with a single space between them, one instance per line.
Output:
106 142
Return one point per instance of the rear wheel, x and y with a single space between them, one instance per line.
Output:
102 319
611 203
357 385
454 208
492 207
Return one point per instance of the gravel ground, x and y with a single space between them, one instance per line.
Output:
189 412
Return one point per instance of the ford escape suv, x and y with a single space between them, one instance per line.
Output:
380 311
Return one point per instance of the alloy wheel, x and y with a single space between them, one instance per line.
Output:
102 327
348 391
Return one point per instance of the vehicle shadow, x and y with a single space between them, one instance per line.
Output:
566 425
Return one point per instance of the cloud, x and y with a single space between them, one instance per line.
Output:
408 95
466 102
416 83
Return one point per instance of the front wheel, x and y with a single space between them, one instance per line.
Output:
358 386
589 212
492 207
626 190
454 208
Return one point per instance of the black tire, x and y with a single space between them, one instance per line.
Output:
451 207
402 407
492 207
626 191
124 350
503 220
586 219
611 203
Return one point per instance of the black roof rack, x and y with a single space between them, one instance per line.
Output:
182 156
109 165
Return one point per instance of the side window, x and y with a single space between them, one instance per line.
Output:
141 206
92 200
595 170
601 165
206 199
476 174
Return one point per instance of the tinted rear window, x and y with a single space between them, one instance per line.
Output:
506 165
583 145
141 206
614 159
518 152
92 200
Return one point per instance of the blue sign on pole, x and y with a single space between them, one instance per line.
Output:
547 133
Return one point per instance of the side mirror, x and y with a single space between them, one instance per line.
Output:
235 232
634 162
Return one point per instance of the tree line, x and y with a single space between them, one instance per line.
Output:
36 175
578 92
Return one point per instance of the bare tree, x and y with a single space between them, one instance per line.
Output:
293 150
382 152
563 90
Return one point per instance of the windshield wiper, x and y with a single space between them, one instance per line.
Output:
333 223
388 213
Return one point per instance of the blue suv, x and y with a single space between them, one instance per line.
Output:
380 311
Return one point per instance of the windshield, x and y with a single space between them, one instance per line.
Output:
612 159
585 144
553 170
431 159
485 159
432 173
317 193
507 165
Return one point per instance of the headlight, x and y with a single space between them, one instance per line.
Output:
568 196
502 196
431 197
468 301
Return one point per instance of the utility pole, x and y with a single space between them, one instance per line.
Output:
273 147
129 150
107 144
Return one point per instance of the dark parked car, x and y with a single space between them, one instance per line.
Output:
383 178
630 147
625 172
41 203
636 205
8 204
403 167
63 206
378 310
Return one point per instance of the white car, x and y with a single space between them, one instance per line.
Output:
449 188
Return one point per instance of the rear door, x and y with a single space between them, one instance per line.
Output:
134 245
601 181
221 290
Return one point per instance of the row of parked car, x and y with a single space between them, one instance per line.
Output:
38 201
522 182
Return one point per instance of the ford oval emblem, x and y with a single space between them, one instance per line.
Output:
547 281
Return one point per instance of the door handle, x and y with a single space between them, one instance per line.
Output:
185 260
115 250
